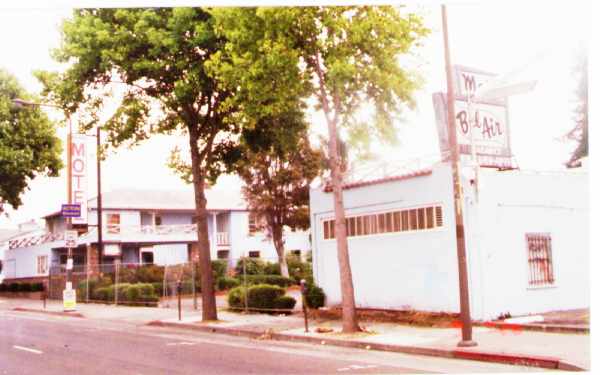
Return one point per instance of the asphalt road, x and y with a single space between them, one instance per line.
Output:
39 344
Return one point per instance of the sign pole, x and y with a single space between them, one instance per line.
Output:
467 330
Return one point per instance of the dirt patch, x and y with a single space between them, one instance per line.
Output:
570 317
408 317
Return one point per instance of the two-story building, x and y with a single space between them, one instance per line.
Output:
146 227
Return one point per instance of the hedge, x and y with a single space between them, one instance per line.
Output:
266 279
260 297
138 293
21 287
225 283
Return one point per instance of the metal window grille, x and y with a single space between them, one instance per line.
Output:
539 252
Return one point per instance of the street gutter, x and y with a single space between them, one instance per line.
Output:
466 354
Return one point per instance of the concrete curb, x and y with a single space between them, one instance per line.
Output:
513 359
550 328
59 313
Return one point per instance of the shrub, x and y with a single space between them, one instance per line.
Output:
266 279
235 297
219 268
262 296
105 294
285 302
298 270
24 287
3 287
272 269
315 296
224 283
158 288
37 287
253 266
13 287
150 274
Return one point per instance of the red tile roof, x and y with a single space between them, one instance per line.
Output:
406 176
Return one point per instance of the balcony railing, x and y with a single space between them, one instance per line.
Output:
183 232
222 238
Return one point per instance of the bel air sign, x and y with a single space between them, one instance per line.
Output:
486 128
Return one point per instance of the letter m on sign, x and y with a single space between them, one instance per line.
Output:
78 149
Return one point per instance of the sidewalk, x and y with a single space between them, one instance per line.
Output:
550 350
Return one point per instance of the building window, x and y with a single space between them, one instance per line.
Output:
252 223
539 256
42 264
157 220
222 254
113 223
147 257
421 218
254 254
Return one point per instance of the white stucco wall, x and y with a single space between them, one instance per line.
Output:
22 262
518 202
170 254
415 269
419 269
242 242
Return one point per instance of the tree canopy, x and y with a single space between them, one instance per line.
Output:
29 146
348 60
154 62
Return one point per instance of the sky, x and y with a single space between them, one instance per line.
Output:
492 36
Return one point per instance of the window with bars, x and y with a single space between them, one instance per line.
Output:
413 219
539 257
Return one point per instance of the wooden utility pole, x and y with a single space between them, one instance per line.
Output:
465 315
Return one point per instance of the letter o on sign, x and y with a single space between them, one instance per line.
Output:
78 165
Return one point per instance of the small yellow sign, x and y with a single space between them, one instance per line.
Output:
69 300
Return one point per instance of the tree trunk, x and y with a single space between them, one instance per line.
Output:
280 248
202 256
349 317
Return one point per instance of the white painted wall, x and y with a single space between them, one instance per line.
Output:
242 242
170 254
419 269
415 270
22 262
513 204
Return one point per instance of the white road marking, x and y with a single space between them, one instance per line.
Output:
180 343
27 349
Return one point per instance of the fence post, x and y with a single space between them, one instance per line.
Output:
87 282
245 285
194 285
116 282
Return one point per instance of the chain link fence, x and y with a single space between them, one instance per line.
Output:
242 284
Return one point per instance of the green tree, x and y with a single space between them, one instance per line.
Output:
29 146
579 133
278 168
157 58
349 58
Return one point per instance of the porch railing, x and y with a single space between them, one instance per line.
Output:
118 231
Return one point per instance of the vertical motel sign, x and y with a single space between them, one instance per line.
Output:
486 127
79 176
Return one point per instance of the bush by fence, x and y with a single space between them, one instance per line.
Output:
266 279
134 294
21 287
261 297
